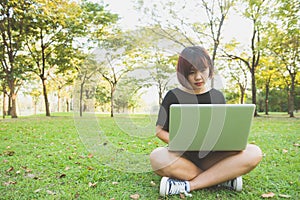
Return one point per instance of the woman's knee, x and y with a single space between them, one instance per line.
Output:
157 153
158 158
254 155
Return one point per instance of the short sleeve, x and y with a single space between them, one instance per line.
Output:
163 114
217 97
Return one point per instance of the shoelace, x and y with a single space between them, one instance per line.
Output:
177 187
230 183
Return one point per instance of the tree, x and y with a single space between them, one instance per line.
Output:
267 78
60 82
35 94
96 25
87 71
118 55
14 24
238 76
255 11
50 40
162 67
173 22
127 95
4 92
56 27
112 72
285 36
102 95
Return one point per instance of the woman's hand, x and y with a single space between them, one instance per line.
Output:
162 134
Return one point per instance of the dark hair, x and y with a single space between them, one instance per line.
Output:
194 57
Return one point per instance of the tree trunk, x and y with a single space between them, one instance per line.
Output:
4 111
58 101
35 106
9 105
242 97
12 103
253 89
47 105
267 100
68 105
81 100
242 90
291 99
112 101
160 97
14 106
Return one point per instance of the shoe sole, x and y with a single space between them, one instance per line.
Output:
163 188
239 184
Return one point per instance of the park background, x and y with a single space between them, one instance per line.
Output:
51 49
71 69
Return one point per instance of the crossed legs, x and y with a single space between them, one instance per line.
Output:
214 169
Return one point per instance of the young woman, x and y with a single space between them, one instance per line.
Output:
186 172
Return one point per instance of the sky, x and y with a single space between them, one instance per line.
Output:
125 9
236 27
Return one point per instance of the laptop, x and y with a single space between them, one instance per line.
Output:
210 127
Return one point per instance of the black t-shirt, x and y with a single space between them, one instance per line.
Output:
178 96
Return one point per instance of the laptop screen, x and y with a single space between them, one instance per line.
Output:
209 127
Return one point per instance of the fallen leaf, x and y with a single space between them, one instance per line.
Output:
10 169
77 196
67 168
31 176
285 196
92 184
38 190
182 196
9 153
268 195
296 145
284 151
135 196
9 183
90 168
90 155
152 183
28 170
50 192
115 183
62 176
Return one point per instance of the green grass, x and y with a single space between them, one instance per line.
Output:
62 158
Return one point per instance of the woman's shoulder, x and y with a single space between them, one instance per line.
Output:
215 91
174 91
217 96
170 97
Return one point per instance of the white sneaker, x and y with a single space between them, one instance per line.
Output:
169 186
234 184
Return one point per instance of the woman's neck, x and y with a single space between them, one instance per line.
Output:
200 91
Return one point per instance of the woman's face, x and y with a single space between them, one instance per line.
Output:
198 79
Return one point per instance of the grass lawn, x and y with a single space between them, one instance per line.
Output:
63 157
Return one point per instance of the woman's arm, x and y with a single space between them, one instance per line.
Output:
162 134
